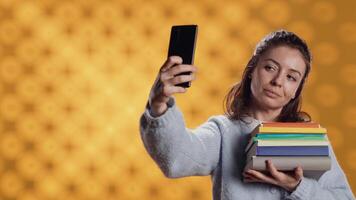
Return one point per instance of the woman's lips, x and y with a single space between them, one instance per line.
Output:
271 94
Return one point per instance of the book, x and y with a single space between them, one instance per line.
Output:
287 163
313 166
291 136
288 145
286 130
291 124
256 150
287 137
292 142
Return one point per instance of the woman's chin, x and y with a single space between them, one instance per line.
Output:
269 103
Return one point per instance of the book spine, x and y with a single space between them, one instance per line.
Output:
292 143
291 136
292 151
299 140
292 124
290 130
289 163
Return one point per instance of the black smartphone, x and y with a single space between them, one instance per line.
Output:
182 43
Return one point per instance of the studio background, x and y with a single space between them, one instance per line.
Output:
75 77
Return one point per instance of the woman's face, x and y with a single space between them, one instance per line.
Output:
277 76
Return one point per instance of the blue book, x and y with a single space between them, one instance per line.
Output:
291 136
288 151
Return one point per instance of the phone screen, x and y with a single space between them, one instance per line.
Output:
182 43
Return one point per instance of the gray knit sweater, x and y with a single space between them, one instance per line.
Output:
216 148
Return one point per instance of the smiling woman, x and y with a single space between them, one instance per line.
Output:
270 90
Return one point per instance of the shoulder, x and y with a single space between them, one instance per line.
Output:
224 122
244 125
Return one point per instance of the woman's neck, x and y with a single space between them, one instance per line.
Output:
264 115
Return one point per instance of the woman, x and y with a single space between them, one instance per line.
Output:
270 90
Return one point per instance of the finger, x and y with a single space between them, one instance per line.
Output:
171 61
273 170
170 90
182 79
261 177
245 174
249 178
176 70
298 173
181 68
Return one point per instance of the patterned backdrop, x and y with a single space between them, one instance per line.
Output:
75 76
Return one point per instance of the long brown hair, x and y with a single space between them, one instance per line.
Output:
238 100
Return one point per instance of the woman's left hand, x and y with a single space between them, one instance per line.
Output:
287 181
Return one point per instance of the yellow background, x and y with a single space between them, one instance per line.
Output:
75 76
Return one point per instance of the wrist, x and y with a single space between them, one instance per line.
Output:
157 110
293 187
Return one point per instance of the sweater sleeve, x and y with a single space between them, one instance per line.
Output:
332 185
177 150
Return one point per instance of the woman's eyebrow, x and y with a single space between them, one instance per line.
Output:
275 62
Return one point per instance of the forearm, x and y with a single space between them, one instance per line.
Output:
177 150
332 185
310 189
160 136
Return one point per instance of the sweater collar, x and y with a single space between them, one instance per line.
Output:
248 123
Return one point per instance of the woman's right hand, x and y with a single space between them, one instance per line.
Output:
164 86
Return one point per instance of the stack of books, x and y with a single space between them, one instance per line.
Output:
289 145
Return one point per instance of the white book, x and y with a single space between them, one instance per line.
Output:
313 166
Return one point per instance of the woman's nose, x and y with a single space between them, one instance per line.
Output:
277 80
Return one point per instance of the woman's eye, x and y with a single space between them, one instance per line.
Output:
268 68
291 78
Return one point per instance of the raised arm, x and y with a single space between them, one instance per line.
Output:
177 150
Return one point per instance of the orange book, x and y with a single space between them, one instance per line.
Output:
291 124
